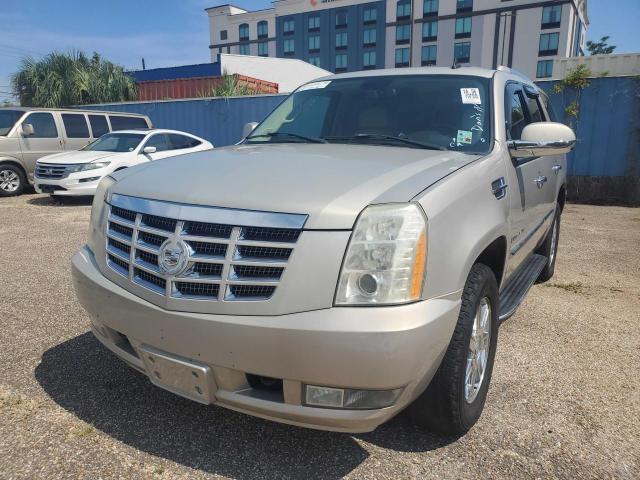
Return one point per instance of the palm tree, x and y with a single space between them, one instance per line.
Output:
65 79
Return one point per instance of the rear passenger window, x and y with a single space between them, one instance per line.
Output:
75 125
44 126
182 141
119 122
98 125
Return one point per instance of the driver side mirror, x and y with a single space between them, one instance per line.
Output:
543 138
248 128
149 149
27 130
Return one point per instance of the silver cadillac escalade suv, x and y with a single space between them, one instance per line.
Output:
354 255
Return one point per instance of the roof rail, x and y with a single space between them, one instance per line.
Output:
512 71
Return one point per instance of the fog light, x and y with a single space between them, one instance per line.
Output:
90 179
348 398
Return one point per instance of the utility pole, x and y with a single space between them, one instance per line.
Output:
143 65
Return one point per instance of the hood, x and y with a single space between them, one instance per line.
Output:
78 156
331 183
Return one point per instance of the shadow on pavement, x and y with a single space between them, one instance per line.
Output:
49 201
86 379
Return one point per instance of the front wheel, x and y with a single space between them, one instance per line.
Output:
12 180
454 400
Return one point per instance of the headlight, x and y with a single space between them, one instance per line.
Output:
89 166
97 210
386 257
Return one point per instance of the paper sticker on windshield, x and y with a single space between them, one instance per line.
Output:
464 137
470 96
314 85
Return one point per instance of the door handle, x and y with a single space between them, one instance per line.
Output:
556 168
540 181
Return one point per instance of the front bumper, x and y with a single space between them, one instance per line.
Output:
70 186
378 348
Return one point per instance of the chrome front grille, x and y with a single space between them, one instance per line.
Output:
225 263
53 171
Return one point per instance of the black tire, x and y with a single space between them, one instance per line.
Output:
443 407
9 168
549 248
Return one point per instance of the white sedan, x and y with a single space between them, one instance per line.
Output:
78 173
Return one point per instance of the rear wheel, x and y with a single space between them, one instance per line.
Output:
454 400
12 180
550 248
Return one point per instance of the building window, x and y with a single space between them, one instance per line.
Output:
403 10
544 69
341 18
369 60
263 49
315 60
464 6
243 49
341 40
430 31
289 46
402 57
263 29
314 43
369 37
223 34
463 27
341 62
288 26
244 31
548 44
430 8
462 52
314 23
403 34
370 15
429 55
551 16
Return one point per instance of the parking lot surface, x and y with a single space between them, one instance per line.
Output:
564 400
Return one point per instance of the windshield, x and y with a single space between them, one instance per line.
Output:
414 111
8 119
116 142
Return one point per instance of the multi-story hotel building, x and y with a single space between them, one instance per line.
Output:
350 35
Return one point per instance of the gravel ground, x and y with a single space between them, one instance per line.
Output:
564 400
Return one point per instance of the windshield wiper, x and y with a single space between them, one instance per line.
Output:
378 137
291 135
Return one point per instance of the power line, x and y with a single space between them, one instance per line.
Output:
18 49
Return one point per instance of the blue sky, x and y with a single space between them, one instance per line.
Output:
175 32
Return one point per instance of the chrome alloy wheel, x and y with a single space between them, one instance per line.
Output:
9 181
478 354
554 241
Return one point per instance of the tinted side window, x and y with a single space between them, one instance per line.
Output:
517 119
43 125
98 125
75 125
181 141
535 113
119 122
160 141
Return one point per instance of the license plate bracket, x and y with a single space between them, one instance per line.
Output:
183 377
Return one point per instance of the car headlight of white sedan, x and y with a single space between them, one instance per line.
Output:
82 167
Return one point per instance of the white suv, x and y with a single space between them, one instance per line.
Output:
78 173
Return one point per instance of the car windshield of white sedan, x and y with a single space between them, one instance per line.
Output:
8 118
116 142
437 112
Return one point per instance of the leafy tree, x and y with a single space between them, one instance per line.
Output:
65 79
601 47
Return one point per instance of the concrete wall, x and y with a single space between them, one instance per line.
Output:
608 65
